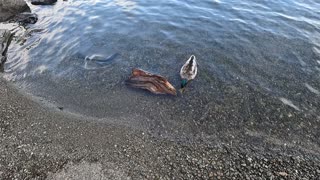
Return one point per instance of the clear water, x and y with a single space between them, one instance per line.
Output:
259 64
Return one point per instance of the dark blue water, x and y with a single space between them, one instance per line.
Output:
259 64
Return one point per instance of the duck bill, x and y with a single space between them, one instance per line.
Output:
182 90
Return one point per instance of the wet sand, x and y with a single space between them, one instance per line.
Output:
42 142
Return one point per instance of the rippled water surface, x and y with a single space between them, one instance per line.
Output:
259 63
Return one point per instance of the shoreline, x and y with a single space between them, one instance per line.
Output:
37 142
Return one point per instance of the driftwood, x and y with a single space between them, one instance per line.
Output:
151 82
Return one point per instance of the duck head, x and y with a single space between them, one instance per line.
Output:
184 83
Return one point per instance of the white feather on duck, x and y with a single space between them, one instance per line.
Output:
188 71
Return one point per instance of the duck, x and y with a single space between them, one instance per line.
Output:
188 72
152 82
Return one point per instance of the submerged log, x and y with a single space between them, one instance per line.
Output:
151 82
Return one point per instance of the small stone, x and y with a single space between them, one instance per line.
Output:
283 174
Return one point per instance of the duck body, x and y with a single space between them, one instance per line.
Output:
188 71
152 82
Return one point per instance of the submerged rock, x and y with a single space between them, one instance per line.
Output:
10 8
101 59
43 2
5 39
151 82
97 61
26 18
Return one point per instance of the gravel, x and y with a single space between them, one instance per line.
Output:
39 142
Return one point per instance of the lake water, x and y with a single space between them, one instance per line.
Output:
259 64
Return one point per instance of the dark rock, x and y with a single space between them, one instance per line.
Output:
10 8
26 18
5 39
43 2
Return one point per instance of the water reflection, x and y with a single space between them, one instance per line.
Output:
289 103
312 89
316 51
126 5
41 69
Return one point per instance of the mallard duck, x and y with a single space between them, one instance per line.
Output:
154 83
188 71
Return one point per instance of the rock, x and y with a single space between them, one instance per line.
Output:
283 174
152 82
5 39
10 8
97 61
43 2
26 18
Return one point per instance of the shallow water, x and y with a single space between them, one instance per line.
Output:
259 64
